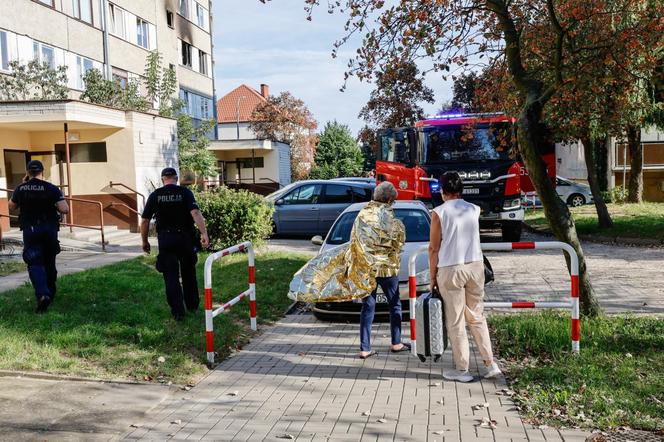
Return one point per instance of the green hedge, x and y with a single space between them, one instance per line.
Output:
233 216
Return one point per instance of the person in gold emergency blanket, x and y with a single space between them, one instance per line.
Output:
355 270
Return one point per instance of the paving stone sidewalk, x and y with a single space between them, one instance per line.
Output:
301 380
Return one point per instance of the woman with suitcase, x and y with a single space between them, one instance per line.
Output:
457 270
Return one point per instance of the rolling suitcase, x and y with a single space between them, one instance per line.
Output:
430 330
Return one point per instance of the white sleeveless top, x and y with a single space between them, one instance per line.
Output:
460 228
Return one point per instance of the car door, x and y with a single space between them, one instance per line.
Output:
563 189
298 211
335 199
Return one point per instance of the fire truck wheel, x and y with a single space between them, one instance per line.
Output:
511 231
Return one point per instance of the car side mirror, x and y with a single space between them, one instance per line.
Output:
317 240
279 202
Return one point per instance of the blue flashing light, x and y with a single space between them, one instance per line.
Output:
434 186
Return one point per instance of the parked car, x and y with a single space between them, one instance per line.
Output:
574 194
310 207
417 221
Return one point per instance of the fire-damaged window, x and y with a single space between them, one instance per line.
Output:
85 152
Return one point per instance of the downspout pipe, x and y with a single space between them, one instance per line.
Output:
108 74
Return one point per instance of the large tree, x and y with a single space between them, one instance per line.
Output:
287 119
337 153
542 43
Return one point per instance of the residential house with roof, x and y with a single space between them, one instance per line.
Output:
244 160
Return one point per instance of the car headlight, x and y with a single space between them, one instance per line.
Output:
512 203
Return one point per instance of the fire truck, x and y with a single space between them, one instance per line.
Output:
480 147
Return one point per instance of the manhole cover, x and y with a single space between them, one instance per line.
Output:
627 436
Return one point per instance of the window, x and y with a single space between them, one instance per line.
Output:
117 21
121 77
44 53
47 2
85 152
186 53
198 106
169 19
83 65
360 194
201 14
184 8
306 194
415 221
142 33
336 194
245 163
4 51
202 62
82 9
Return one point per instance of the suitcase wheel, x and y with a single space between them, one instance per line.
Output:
436 358
422 358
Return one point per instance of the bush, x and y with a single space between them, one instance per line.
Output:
234 216
616 195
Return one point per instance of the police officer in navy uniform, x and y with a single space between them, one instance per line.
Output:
40 204
176 212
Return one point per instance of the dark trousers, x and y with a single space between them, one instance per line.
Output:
40 247
177 257
390 286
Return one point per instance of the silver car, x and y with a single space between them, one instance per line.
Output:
310 207
574 194
417 221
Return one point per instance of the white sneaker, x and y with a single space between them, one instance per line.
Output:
458 375
492 371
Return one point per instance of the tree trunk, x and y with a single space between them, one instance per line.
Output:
635 187
601 155
556 211
590 146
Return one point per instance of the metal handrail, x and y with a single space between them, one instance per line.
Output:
80 200
125 206
111 184
273 181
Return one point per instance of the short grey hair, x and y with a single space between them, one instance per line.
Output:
385 192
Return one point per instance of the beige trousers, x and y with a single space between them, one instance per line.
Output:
462 289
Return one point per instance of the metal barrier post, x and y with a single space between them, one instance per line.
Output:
251 293
573 305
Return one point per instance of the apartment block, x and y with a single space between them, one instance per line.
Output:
115 156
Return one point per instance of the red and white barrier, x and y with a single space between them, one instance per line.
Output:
251 293
573 304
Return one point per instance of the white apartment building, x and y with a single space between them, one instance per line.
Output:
114 36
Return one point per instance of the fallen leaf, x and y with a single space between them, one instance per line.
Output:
286 436
440 402
382 421
161 359
438 432
177 422
233 393
543 427
136 425
435 384
488 423
366 413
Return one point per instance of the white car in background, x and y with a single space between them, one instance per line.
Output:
417 221
574 194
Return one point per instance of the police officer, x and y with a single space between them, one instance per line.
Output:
40 204
176 211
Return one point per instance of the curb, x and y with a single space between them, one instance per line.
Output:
58 377
633 242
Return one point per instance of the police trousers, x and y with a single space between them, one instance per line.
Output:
177 258
40 247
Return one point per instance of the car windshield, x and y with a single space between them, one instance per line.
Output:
480 142
278 193
416 222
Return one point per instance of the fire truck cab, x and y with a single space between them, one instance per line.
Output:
480 147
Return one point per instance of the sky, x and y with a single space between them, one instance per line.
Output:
274 44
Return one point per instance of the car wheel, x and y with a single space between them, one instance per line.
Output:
576 200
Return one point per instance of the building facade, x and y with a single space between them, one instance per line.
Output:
244 160
114 36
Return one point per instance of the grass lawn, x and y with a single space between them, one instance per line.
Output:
9 267
644 220
114 323
618 378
